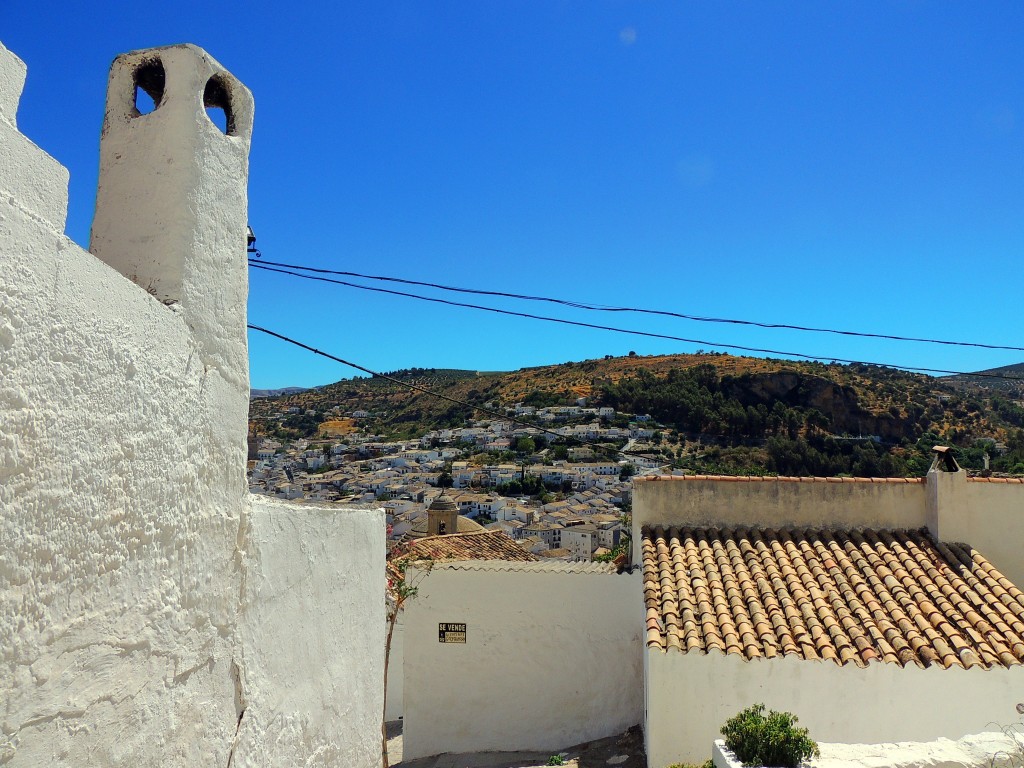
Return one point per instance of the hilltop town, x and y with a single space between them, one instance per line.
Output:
559 501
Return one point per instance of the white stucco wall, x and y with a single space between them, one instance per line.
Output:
552 658
396 674
690 695
988 516
311 634
124 530
122 483
769 502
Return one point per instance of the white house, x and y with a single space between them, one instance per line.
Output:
580 540
852 603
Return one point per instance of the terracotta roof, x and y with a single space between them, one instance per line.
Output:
482 545
773 479
851 596
465 525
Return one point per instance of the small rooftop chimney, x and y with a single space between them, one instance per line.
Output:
945 489
944 459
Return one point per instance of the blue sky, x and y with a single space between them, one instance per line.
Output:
858 166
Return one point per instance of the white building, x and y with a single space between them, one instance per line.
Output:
846 601
152 612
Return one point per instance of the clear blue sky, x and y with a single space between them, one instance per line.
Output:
849 165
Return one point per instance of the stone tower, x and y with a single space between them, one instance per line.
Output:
442 517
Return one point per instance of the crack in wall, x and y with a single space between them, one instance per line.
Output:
240 706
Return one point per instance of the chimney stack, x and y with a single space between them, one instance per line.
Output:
171 206
945 490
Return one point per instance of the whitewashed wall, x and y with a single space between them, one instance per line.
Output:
552 658
690 695
828 503
311 634
123 502
122 485
396 675
988 516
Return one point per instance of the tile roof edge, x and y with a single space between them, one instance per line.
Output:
1000 480
648 528
559 566
786 479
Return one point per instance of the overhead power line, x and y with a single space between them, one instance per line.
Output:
639 310
456 401
631 332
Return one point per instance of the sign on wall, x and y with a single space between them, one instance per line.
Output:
451 633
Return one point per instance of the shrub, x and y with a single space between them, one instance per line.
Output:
770 740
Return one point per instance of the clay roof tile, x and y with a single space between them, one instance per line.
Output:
854 597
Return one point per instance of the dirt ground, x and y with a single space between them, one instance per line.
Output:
623 751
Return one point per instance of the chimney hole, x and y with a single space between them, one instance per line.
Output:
149 86
217 102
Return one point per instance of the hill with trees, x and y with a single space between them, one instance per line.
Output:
716 413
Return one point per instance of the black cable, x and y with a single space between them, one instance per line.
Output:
631 332
664 313
432 393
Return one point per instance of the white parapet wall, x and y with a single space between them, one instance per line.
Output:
311 633
124 511
773 502
691 695
986 513
552 657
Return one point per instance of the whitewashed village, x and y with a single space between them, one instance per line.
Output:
176 591
587 519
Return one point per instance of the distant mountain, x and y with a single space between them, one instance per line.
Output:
254 393
1014 386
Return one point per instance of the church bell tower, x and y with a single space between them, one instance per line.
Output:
442 517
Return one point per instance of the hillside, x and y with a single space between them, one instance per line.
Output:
721 412
985 385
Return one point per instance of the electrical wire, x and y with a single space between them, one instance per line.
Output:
646 334
638 310
456 401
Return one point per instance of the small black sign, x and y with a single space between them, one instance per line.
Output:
451 633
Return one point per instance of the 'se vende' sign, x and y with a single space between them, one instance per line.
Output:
451 633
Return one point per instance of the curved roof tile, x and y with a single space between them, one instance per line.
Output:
854 596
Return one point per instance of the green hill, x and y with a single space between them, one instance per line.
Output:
720 413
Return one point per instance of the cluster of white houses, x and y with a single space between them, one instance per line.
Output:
403 479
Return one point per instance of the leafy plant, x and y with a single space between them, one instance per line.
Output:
556 760
771 740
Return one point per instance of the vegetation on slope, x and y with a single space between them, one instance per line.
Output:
720 413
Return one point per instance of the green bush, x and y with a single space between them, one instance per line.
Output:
769 740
